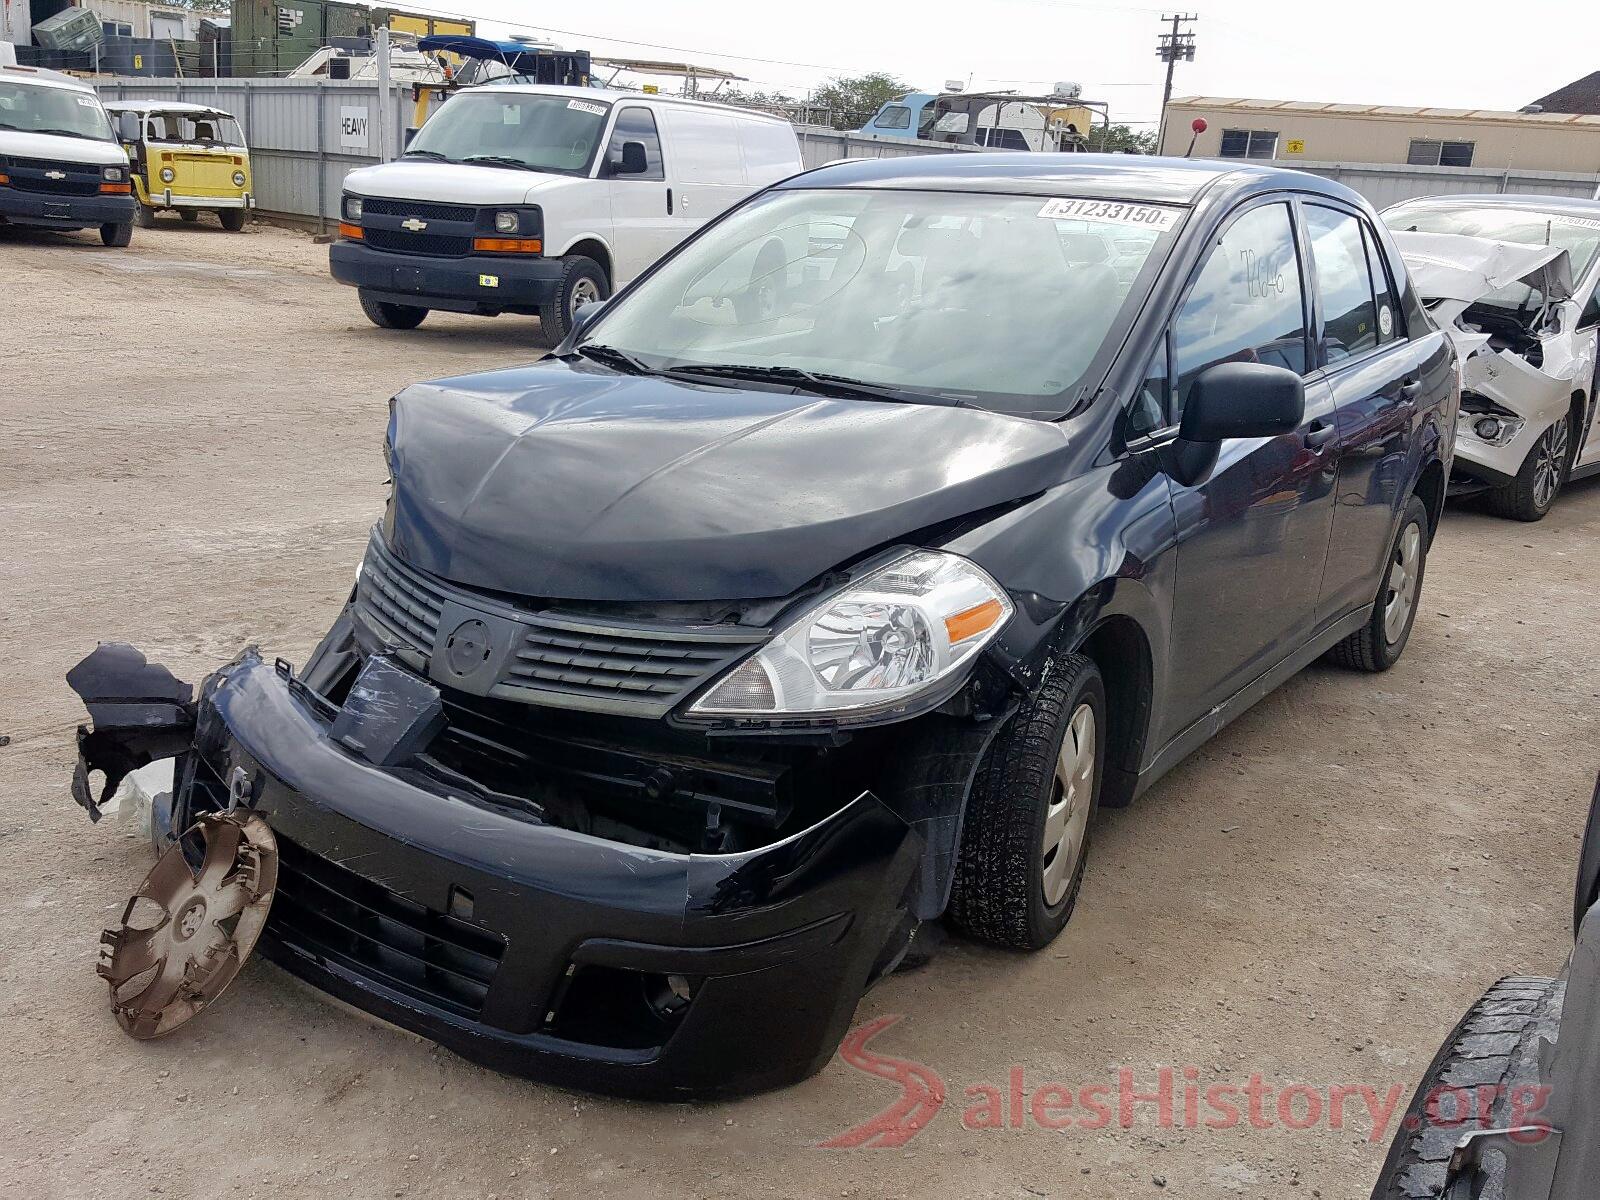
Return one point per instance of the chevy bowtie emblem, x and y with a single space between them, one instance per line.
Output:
55 174
413 224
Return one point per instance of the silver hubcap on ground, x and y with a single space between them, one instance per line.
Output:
1550 462
1066 821
1402 583
584 291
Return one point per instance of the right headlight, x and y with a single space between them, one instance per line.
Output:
352 208
889 637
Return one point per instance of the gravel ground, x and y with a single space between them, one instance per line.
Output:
190 460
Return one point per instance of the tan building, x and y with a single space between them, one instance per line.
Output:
1308 131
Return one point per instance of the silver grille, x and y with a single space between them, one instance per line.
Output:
562 659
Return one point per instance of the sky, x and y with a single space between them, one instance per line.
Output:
1465 54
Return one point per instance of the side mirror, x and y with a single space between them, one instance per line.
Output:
582 317
634 160
1233 400
1242 400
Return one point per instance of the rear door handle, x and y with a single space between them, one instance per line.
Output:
669 202
1320 434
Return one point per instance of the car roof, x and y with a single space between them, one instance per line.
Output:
1120 176
44 78
1576 206
160 106
613 95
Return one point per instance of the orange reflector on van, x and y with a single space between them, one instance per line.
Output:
4 179
347 230
973 621
115 189
508 245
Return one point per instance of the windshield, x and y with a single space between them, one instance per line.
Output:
539 133
202 128
1001 301
65 112
1578 236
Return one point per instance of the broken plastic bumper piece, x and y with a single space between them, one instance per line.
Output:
534 949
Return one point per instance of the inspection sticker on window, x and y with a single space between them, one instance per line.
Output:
594 110
1113 212
86 102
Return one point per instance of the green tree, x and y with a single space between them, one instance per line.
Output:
1123 138
852 99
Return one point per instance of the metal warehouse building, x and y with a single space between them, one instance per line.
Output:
1293 131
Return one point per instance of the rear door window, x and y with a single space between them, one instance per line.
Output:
1247 304
1344 284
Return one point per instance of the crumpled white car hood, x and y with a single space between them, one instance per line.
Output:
1452 271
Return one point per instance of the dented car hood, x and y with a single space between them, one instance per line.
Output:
569 481
1451 272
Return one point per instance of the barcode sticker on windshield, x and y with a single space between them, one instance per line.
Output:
1113 212
596 110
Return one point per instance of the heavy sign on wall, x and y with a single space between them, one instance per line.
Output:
354 126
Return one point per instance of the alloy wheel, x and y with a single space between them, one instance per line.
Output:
1066 820
1550 464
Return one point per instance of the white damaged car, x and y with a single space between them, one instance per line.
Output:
1513 280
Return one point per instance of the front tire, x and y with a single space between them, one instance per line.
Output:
582 281
1532 494
232 219
1025 840
390 316
1378 644
119 234
145 217
1492 1056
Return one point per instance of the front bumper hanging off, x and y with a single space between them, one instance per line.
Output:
538 950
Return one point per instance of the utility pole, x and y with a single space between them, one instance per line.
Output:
1173 46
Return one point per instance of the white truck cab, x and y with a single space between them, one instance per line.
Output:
526 198
61 166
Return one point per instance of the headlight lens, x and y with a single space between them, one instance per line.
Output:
352 208
114 174
167 175
885 639
238 179
505 222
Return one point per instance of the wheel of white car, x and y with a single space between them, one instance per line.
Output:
1532 494
1025 838
583 281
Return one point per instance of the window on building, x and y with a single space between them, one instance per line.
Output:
1425 152
1249 143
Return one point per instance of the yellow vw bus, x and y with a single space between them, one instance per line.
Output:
186 157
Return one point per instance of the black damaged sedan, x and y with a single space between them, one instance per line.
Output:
821 585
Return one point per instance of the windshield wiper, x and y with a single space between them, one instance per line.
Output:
62 133
823 383
618 360
426 154
500 160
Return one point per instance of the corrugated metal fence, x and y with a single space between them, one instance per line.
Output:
305 135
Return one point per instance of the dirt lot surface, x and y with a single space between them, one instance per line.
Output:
190 460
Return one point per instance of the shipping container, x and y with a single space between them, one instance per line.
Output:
272 38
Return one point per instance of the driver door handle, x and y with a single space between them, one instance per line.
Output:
1411 388
1320 433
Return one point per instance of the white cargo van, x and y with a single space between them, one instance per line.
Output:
61 166
536 199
